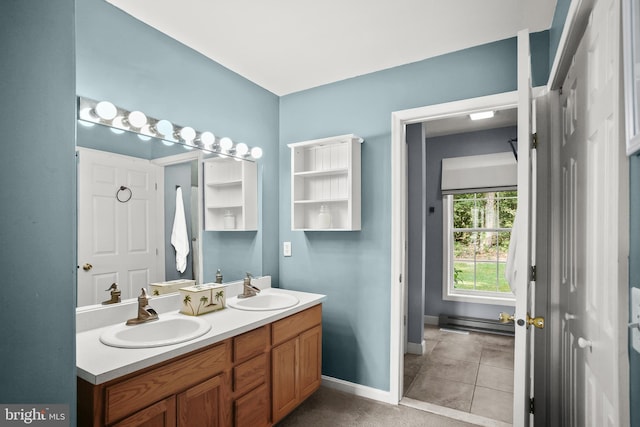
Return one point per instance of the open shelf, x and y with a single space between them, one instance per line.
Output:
230 195
325 175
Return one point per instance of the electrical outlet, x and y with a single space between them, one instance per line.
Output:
286 248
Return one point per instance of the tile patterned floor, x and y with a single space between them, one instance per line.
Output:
469 372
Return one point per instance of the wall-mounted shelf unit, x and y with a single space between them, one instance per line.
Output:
325 184
230 195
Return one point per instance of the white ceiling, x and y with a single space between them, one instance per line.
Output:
287 46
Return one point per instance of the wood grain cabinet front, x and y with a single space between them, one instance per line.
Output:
296 360
159 395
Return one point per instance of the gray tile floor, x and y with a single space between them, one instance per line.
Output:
331 408
468 372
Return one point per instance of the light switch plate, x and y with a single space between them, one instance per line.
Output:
286 248
635 317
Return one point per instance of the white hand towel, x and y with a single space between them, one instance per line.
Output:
510 270
179 236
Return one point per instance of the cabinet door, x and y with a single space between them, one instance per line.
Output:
203 405
252 409
310 362
284 379
161 414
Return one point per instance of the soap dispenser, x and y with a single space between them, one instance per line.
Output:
218 276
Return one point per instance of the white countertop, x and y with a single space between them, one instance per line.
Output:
98 363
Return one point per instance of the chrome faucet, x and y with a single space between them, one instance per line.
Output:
248 290
145 313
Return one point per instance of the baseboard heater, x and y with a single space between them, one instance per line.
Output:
474 324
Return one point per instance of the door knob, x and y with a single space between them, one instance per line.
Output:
569 316
87 267
583 343
538 322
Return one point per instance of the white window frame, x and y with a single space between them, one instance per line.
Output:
449 293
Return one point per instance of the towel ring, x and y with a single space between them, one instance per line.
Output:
123 188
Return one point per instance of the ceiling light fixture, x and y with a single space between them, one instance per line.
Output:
482 115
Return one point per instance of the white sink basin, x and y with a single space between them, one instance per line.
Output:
169 329
268 299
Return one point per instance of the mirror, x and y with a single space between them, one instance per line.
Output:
119 225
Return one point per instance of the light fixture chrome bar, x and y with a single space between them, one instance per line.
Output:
119 119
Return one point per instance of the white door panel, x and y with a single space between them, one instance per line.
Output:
590 156
116 228
526 202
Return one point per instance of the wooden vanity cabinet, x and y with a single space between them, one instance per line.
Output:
191 387
296 360
251 380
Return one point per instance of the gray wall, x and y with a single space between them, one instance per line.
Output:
416 231
37 171
466 144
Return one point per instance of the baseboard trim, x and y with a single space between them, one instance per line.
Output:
415 348
431 320
358 390
467 417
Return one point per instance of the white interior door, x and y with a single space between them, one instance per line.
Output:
116 228
523 257
592 167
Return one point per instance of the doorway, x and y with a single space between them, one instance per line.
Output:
467 357
399 210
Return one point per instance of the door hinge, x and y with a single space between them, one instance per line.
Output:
533 273
400 278
531 406
534 141
156 186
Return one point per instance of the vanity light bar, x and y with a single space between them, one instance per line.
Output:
120 120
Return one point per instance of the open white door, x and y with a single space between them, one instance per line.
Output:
117 231
524 287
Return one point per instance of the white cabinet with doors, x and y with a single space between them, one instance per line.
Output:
325 184
230 195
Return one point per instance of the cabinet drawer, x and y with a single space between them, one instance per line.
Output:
131 395
293 325
250 344
253 408
250 373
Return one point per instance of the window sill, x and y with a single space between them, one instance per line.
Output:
480 299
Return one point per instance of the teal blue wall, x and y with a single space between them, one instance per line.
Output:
557 25
634 280
136 67
37 259
353 268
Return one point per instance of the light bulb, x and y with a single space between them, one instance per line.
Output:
256 152
137 119
106 110
226 143
187 134
163 128
241 149
207 138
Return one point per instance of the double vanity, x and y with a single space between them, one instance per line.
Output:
249 364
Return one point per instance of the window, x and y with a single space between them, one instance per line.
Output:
477 230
